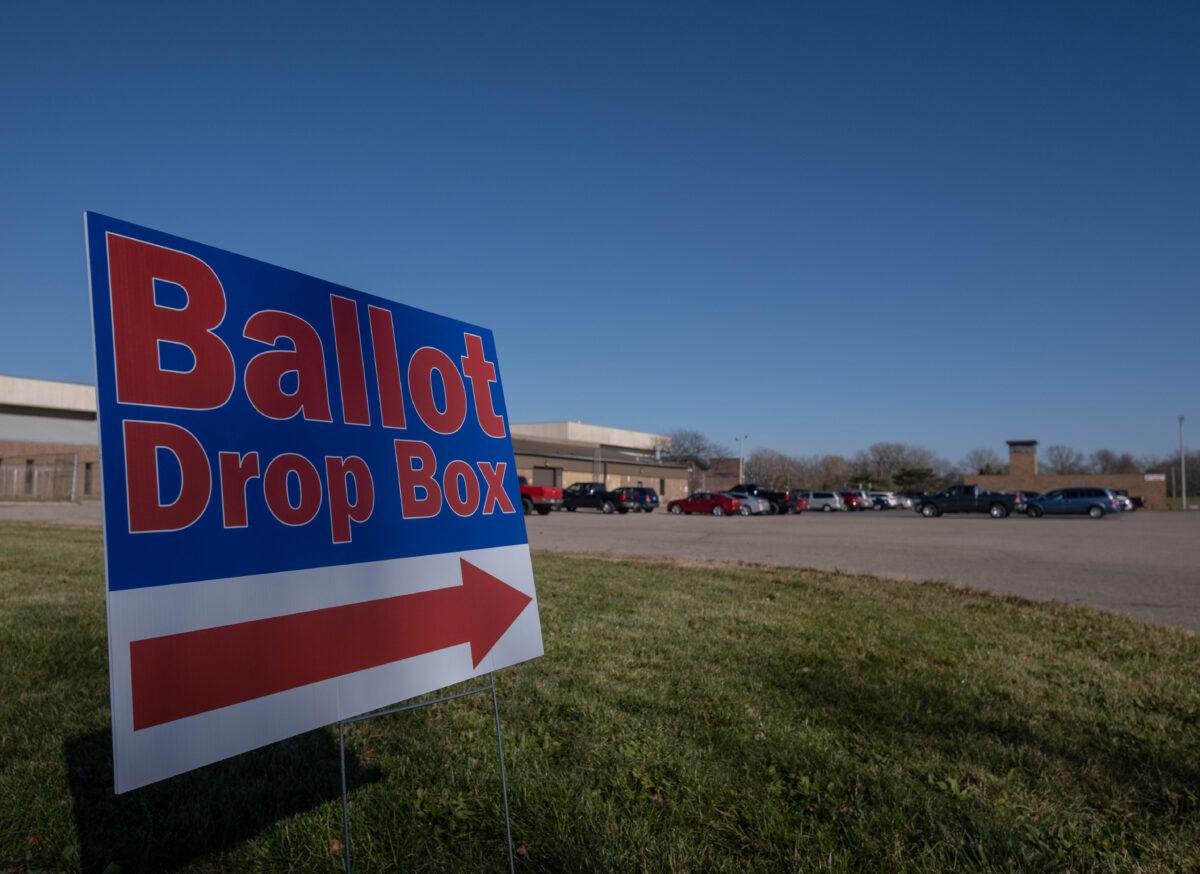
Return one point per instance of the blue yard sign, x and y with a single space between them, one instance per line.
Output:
310 501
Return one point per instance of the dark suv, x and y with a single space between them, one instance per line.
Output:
647 498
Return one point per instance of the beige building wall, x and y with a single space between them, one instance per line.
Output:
570 477
669 482
581 432
563 461
566 470
45 394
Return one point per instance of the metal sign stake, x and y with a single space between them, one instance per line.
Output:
345 803
491 687
503 771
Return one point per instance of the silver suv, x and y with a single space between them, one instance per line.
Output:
826 501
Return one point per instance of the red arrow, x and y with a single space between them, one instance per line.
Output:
193 672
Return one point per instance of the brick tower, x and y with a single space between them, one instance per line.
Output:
1022 458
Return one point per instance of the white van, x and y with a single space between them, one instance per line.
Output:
825 501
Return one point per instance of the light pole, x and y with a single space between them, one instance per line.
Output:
742 457
1182 468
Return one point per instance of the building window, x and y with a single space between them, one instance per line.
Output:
29 476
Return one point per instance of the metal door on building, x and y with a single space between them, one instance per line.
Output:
547 476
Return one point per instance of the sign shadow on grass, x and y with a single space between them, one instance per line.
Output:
166 825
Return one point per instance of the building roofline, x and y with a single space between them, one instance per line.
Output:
20 392
90 385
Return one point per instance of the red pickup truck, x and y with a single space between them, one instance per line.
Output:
540 498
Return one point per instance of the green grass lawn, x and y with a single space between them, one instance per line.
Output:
684 718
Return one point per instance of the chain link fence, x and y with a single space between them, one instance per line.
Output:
58 477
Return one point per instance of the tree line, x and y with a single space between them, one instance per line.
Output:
906 467
1067 460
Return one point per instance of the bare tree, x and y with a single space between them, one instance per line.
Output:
781 471
684 444
1169 464
1063 459
772 469
880 462
1107 461
833 471
984 462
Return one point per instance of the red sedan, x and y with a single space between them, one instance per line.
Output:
854 500
705 502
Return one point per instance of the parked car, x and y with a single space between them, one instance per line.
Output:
751 505
827 502
647 498
543 499
780 501
628 498
1128 504
1023 499
967 499
595 496
1064 502
904 500
855 500
799 502
705 502
884 500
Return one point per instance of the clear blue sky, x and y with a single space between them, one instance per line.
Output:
945 224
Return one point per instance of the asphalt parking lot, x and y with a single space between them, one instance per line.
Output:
1146 565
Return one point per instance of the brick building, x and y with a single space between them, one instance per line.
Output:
48 440
721 474
562 453
1023 475
49 448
